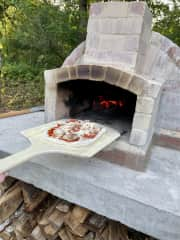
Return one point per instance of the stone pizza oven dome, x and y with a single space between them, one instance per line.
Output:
120 49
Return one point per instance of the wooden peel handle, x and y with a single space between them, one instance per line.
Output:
16 159
21 112
14 113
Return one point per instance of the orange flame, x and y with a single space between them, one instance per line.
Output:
110 103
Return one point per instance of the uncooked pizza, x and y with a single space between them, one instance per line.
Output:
76 132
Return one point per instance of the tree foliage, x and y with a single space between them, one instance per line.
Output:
167 20
38 33
35 35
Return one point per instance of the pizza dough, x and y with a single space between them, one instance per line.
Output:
75 132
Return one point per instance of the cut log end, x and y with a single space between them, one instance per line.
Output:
44 217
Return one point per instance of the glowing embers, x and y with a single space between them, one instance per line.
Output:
102 102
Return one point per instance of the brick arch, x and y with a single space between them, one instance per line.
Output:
111 75
143 116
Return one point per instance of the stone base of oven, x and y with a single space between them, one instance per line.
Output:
124 154
168 138
130 160
136 161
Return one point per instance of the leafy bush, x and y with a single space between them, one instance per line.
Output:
21 86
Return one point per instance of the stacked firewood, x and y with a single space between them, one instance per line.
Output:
29 213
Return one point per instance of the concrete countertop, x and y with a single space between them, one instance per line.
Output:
148 201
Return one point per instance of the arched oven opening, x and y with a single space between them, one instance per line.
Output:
100 102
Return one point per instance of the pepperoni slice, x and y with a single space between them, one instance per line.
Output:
51 132
89 135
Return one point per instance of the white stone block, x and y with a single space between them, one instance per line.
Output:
140 63
138 137
106 25
142 121
122 58
152 89
92 41
160 65
137 85
94 25
131 43
132 25
145 104
50 77
124 80
136 8
109 9
118 43
143 45
62 74
150 60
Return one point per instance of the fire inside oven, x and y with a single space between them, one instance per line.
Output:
100 102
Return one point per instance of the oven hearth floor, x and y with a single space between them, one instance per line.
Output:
148 202
122 125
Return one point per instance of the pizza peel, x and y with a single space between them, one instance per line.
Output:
40 144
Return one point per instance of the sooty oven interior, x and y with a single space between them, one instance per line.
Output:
100 102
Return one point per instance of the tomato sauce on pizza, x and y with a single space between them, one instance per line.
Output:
74 130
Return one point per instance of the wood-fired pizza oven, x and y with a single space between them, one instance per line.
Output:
115 77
